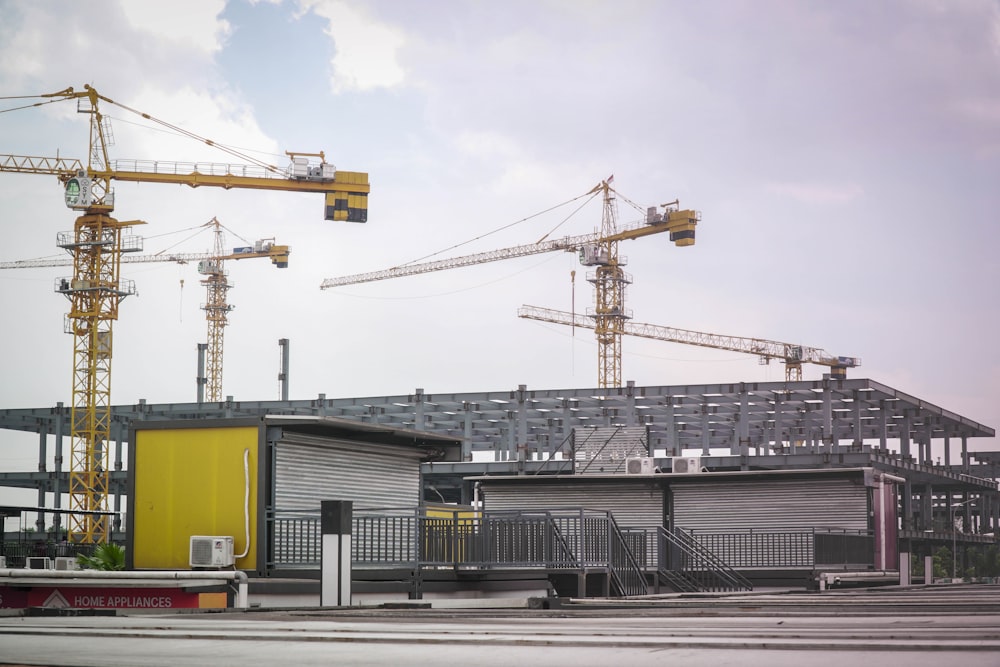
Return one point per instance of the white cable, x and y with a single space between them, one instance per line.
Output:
246 503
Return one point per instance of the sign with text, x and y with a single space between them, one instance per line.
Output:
73 597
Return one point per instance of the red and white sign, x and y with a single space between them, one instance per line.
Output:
72 597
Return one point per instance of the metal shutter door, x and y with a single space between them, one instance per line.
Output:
310 469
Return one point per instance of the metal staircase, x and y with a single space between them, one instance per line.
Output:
687 566
627 576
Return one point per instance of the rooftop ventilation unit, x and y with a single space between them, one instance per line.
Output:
211 551
686 465
639 465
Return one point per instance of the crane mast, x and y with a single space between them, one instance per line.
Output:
793 356
216 310
96 290
95 294
609 281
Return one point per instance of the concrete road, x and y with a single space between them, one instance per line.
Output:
958 627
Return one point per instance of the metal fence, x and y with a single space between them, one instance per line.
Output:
688 565
567 539
845 548
572 539
16 553
750 549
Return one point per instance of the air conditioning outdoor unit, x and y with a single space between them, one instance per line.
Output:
66 563
38 563
639 465
686 464
211 551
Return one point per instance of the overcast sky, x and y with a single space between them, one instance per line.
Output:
844 157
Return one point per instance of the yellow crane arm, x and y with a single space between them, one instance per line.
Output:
26 164
346 192
761 347
232 176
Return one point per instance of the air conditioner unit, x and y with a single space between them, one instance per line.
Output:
67 563
639 465
686 465
211 551
38 563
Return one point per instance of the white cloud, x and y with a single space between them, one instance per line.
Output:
367 51
216 116
194 23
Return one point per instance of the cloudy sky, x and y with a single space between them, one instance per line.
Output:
844 157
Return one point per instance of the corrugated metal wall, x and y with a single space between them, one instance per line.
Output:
310 469
778 505
633 504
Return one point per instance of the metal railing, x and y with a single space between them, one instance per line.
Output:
627 575
760 549
749 549
567 540
689 565
296 540
16 553
554 540
844 548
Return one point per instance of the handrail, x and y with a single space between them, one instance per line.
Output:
709 572
722 568
558 539
625 571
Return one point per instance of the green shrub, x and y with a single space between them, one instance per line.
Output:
107 556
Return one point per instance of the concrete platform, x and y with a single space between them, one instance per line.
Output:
919 627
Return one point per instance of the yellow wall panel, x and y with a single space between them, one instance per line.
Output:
190 481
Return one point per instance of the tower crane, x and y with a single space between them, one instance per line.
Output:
793 356
212 266
98 242
217 307
599 250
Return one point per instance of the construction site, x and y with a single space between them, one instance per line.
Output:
822 479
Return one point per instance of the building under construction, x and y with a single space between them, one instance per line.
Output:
560 448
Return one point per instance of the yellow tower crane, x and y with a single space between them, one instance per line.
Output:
212 266
793 356
599 250
97 244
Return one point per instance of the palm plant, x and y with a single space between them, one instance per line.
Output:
106 556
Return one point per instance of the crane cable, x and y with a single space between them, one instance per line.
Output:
69 94
196 137
578 208
26 106
498 229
